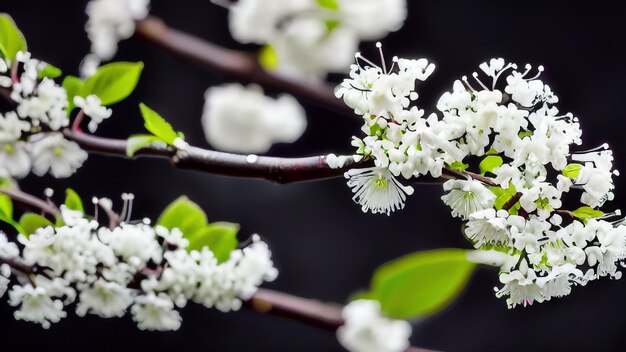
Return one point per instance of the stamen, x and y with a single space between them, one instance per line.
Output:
464 79
379 45
617 212
497 76
528 67
540 70
223 3
475 75
394 61
48 193
95 202
128 198
604 146
359 56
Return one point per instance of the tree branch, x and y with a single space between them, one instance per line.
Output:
31 202
277 170
311 312
236 64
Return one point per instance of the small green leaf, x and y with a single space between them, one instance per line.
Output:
331 25
489 163
113 82
157 125
185 215
6 212
11 39
376 130
6 182
136 142
421 283
459 165
49 71
219 237
30 222
584 213
73 86
503 195
524 134
329 4
572 171
73 201
268 58
492 151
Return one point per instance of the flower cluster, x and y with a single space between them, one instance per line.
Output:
244 120
366 330
134 267
510 133
30 136
310 38
109 22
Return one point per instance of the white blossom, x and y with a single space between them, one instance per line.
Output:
240 119
92 107
366 330
377 190
155 312
56 155
466 197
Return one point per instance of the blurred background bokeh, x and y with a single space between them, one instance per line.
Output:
323 245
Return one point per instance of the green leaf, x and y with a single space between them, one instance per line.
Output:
572 171
421 283
73 86
331 25
459 165
157 125
49 71
492 151
73 201
6 212
489 163
329 4
136 142
30 222
11 39
503 195
113 82
6 182
584 213
185 215
376 130
220 237
524 134
268 58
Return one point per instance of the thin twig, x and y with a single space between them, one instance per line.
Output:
31 202
236 64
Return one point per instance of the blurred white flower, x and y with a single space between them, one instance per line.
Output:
244 120
366 330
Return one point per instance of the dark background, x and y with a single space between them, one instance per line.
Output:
324 246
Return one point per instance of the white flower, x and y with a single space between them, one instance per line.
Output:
56 155
135 243
42 304
11 127
366 330
240 119
111 21
466 197
373 19
15 159
488 227
155 312
258 21
377 190
104 299
92 107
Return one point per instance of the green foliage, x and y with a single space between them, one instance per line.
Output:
459 165
329 4
6 212
190 219
138 141
73 201
113 82
11 39
584 213
220 237
30 222
158 126
572 171
503 196
268 58
420 284
73 86
50 72
489 163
